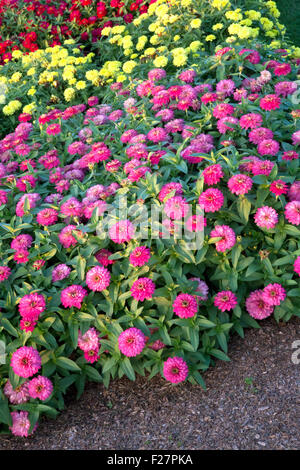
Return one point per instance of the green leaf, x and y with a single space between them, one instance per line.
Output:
93 374
128 369
204 323
244 208
219 354
68 364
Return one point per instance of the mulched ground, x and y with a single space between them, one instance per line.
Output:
250 403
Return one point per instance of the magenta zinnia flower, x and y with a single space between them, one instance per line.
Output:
257 307
266 217
40 387
73 296
227 236
185 306
131 342
102 256
270 102
139 256
25 361
273 294
225 300
143 288
175 370
47 217
98 278
32 305
240 184
297 265
212 174
5 272
211 200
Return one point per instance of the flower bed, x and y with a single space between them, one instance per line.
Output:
145 221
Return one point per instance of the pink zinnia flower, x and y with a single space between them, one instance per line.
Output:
253 57
278 187
211 200
224 124
297 265
47 217
143 288
259 134
176 207
98 278
21 256
225 300
169 188
296 138
20 424
257 307
270 102
72 207
32 305
158 134
212 174
102 257
21 242
266 217
17 396
73 296
53 129
222 110
131 342
227 236
60 272
226 87
40 387
240 184
294 191
292 212
175 370
196 223
66 238
92 355
25 361
140 256
5 272
282 69
250 121
290 155
88 341
122 231
185 306
28 323
268 147
273 294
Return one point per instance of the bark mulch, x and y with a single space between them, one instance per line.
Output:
250 403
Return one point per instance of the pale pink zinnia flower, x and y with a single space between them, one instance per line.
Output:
202 288
176 207
25 361
273 294
17 396
266 217
227 236
98 278
60 272
88 341
143 288
225 300
185 306
122 231
257 307
40 387
131 342
20 424
175 370
292 212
